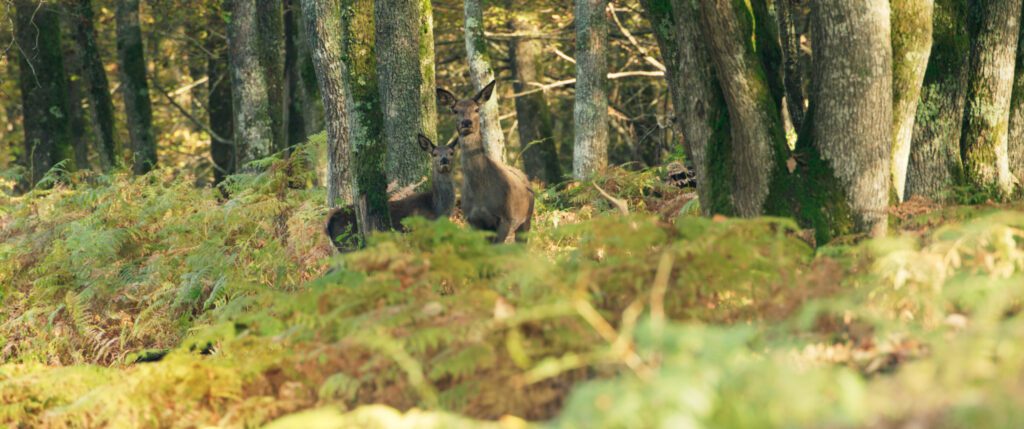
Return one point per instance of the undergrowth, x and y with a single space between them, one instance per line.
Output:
145 302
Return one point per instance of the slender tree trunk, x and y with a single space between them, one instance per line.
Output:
254 132
270 35
98 89
769 50
911 47
295 93
758 139
536 136
935 164
323 25
135 87
219 100
852 124
399 69
428 84
590 113
76 113
366 125
791 29
983 146
43 87
481 73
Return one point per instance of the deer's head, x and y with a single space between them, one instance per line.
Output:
467 110
443 156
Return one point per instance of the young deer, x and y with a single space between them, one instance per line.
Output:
433 204
495 196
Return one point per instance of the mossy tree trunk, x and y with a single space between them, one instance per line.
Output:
270 35
295 93
1015 140
366 124
254 133
481 73
852 103
101 106
995 28
935 164
911 47
399 70
43 87
135 87
590 111
428 84
219 98
792 27
324 29
758 147
536 133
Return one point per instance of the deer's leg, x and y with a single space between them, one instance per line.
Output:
504 227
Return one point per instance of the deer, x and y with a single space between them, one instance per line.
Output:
495 196
436 203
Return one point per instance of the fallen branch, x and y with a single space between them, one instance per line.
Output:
617 203
567 82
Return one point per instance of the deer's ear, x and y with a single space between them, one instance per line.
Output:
446 98
485 94
425 143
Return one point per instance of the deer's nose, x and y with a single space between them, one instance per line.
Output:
467 123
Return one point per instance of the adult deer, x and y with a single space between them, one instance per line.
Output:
495 196
436 203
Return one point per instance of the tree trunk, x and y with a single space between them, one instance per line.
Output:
76 113
98 89
398 26
852 103
758 140
135 87
590 112
766 35
219 100
983 146
1015 141
253 126
911 47
43 87
295 94
480 73
790 17
366 124
935 164
536 135
428 84
323 25
270 42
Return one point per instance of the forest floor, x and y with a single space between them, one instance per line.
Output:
146 302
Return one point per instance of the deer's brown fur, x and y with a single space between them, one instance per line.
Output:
436 203
495 197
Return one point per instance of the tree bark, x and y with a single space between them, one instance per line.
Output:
590 111
398 25
254 133
219 100
983 146
270 41
791 22
911 47
1015 140
758 139
98 88
935 164
428 84
366 124
852 124
295 93
323 25
74 69
135 87
481 74
43 87
536 134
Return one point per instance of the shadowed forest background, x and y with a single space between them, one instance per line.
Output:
663 213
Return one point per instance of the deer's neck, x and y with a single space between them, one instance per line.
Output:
474 157
443 194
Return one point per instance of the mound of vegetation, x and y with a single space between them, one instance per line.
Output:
145 302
